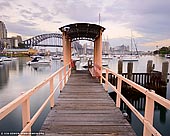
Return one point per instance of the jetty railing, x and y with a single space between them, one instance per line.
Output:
152 80
24 99
151 97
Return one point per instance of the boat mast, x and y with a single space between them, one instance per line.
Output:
99 19
131 42
135 46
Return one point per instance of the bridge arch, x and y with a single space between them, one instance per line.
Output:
39 38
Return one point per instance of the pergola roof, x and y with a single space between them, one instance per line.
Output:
82 31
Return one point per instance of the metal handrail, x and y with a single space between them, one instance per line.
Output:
24 99
151 97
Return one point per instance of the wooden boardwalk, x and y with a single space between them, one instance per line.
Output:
85 109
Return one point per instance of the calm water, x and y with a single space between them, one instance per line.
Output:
16 77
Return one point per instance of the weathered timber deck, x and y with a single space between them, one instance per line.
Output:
85 109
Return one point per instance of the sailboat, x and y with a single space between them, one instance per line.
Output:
56 56
131 57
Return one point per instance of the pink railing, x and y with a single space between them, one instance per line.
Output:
151 97
24 99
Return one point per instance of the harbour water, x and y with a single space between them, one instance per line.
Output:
17 77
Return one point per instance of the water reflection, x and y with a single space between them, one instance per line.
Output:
4 76
17 77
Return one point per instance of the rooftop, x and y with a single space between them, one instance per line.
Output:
82 31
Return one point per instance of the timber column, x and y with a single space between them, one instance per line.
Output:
98 52
66 49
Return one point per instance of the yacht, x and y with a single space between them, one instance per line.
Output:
6 58
85 63
55 57
1 61
75 58
167 56
39 60
129 58
133 56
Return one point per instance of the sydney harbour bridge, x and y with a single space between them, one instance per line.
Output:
46 40
50 40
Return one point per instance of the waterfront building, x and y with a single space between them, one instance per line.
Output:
3 30
105 47
6 42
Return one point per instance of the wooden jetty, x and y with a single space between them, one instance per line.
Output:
85 108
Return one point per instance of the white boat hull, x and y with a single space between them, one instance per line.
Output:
38 61
1 61
55 58
129 58
6 59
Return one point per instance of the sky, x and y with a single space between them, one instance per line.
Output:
147 20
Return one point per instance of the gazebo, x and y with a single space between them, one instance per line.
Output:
83 31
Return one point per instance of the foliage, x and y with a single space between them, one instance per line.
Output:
163 50
21 45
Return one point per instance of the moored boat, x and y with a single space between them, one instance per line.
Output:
55 57
6 58
38 61
167 56
129 58
1 61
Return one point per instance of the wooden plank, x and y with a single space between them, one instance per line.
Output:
85 109
120 134
90 129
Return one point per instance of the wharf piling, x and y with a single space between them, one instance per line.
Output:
152 79
130 70
120 66
165 66
149 66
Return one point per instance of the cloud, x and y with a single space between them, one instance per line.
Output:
43 12
165 42
78 10
149 17
57 22
27 23
23 29
4 5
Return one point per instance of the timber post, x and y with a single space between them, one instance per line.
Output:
51 91
120 66
165 66
129 70
149 66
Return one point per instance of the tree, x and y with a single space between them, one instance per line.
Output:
164 50
21 45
